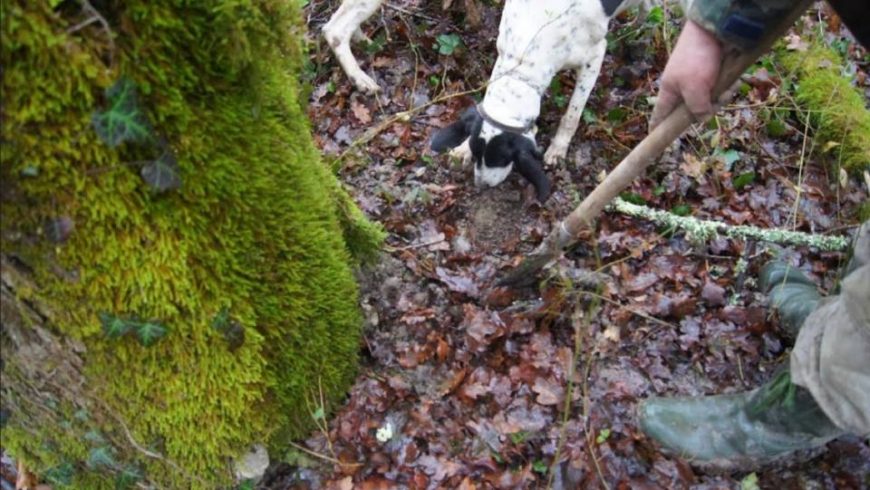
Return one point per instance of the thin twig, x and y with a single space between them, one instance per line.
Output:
415 245
799 186
322 456
142 449
87 7
322 423
569 390
628 309
81 25
403 116
410 12
588 423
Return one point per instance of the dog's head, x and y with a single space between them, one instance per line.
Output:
495 152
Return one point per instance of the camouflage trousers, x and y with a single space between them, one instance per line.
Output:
831 357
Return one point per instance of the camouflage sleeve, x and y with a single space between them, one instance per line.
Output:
740 22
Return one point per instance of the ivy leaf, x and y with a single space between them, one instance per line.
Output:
61 474
124 120
232 331
221 321
234 335
101 457
149 333
113 326
128 478
162 174
94 436
59 229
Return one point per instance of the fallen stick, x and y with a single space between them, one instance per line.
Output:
704 230
565 233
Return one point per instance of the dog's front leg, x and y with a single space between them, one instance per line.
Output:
586 76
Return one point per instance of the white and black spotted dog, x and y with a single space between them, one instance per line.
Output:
536 39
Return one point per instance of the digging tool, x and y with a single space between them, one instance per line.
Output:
564 235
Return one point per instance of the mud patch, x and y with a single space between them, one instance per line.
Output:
495 217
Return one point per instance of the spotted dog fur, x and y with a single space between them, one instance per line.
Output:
536 39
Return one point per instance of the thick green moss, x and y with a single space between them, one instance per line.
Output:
838 109
256 227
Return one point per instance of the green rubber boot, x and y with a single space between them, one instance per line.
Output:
791 294
742 431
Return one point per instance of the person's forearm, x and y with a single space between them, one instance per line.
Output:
742 23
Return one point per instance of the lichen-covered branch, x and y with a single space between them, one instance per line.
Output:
704 230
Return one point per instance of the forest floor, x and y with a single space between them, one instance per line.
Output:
537 388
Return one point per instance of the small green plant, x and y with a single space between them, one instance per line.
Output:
655 16
603 435
729 157
749 482
519 437
376 45
559 98
633 198
681 210
124 121
230 329
743 180
539 466
60 475
589 117
617 115
147 332
447 43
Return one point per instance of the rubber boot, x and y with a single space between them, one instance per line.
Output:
791 294
742 431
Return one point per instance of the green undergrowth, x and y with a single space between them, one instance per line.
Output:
838 110
192 241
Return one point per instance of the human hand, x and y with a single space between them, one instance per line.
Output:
690 75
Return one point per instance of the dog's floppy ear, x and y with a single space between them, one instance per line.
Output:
530 165
454 134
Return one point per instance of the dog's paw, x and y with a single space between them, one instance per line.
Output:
364 83
555 154
461 153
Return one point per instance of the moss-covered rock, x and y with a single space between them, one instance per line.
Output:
838 109
209 315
